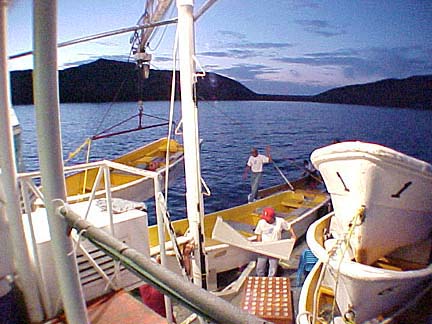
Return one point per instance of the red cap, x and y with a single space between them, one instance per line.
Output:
268 214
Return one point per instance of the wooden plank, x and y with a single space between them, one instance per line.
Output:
119 307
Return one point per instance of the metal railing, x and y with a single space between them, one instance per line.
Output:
191 296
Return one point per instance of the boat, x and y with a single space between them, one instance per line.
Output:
229 237
391 189
373 256
300 183
43 244
340 289
152 156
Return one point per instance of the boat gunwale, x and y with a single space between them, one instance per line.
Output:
358 270
384 156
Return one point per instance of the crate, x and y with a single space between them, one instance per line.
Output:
269 298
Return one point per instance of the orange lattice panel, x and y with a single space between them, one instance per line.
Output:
269 298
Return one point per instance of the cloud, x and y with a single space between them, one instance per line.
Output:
369 63
215 54
257 77
244 72
91 58
286 88
231 34
301 4
320 27
315 72
238 40
246 50
264 45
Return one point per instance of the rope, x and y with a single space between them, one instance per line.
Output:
162 35
77 243
331 253
353 224
87 141
71 155
171 115
172 234
283 176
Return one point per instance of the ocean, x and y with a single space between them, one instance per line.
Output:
229 129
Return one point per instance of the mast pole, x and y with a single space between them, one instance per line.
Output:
194 199
45 87
13 248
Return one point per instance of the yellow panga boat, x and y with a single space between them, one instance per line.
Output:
126 185
300 207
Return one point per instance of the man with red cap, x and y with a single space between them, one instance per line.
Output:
269 228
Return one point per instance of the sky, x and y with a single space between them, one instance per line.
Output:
287 47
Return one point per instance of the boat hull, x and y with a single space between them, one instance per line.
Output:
382 191
125 185
300 208
363 290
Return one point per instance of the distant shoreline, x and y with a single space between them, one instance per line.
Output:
106 80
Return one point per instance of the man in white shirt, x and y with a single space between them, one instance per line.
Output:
269 228
255 164
311 173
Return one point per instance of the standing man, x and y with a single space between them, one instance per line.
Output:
269 228
255 164
311 173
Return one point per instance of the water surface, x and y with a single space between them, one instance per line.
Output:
229 129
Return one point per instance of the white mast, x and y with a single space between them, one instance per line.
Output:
194 200
45 88
10 196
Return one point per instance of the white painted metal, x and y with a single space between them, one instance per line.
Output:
395 190
161 236
194 199
9 196
45 83
130 226
159 12
368 291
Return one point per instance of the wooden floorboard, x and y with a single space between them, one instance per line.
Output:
119 307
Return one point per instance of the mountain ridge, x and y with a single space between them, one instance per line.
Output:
107 80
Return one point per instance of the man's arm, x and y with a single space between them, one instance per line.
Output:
287 226
268 153
293 234
245 173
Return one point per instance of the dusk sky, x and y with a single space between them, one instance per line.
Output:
275 47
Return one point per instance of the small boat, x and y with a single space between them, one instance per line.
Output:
125 185
385 193
301 208
300 183
340 288
52 253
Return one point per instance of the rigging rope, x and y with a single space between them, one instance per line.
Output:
346 240
171 115
71 155
338 246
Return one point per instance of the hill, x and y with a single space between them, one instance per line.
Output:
412 92
107 81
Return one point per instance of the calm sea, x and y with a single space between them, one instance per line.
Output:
230 129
